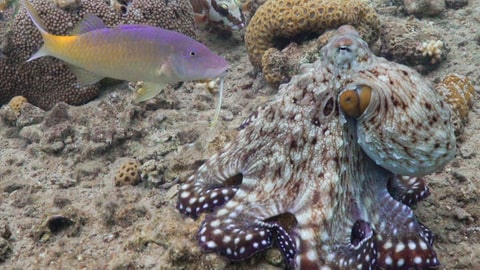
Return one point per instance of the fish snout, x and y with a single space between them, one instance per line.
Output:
217 68
215 72
237 26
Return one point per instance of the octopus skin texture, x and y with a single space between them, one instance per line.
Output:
341 152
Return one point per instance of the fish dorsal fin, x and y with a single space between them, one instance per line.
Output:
88 24
131 26
85 77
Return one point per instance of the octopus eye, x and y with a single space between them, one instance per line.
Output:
353 102
345 48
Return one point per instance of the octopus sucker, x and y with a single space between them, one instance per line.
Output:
329 179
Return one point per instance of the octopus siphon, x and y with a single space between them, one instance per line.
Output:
328 170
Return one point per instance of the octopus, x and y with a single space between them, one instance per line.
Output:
327 171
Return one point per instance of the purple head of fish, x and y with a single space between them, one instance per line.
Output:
188 59
196 62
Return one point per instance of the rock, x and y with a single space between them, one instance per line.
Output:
422 8
32 133
30 115
413 43
5 249
456 4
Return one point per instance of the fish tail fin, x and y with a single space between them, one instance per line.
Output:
37 21
40 53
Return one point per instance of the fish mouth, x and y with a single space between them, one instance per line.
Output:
212 73
237 26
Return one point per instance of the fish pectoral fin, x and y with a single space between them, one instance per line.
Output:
88 24
149 90
85 77
200 18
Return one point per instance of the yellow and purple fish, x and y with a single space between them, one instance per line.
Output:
156 56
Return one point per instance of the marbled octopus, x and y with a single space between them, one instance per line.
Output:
340 151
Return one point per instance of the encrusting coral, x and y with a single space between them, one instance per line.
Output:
128 173
278 21
16 103
47 81
459 93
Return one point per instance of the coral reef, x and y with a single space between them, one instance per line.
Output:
19 113
296 20
279 66
432 49
16 103
414 43
47 81
128 173
459 93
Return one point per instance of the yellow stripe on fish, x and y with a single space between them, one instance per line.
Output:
156 56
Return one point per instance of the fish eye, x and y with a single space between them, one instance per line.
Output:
223 9
193 53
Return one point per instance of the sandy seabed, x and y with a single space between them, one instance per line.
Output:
60 208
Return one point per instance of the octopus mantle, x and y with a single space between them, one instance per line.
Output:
327 171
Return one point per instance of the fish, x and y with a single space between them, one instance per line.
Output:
224 14
130 52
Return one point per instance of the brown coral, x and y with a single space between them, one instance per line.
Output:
47 81
128 174
459 93
278 21
16 103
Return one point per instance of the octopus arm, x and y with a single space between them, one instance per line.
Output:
239 239
408 189
249 223
213 184
402 242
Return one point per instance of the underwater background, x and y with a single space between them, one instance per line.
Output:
90 181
